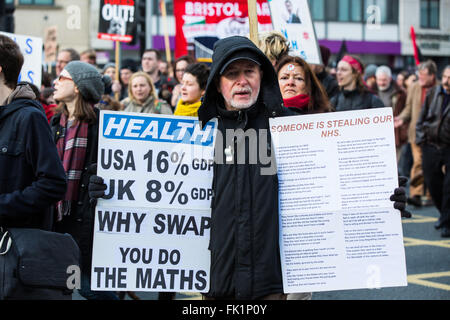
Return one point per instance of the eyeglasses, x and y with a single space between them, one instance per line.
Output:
62 78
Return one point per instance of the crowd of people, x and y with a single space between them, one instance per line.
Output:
245 79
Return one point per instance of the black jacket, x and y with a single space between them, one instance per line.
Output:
245 257
32 178
355 100
80 222
433 125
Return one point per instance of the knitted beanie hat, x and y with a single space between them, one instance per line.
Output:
88 80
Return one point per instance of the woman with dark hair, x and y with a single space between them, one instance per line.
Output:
354 94
193 87
75 130
179 68
301 90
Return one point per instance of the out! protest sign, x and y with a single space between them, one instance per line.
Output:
116 20
31 48
293 19
152 229
215 19
338 228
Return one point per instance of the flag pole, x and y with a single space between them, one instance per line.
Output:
116 94
253 21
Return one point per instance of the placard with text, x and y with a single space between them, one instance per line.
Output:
338 228
152 227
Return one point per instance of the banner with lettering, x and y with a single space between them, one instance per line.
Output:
215 19
117 20
31 48
152 227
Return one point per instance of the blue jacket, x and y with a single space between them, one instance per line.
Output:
32 177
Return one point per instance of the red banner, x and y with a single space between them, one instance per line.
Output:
215 19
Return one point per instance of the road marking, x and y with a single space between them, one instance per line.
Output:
419 279
191 296
416 218
408 242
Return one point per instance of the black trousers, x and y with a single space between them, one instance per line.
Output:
438 182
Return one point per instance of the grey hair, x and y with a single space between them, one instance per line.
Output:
384 70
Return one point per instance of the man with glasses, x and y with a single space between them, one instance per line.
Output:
64 57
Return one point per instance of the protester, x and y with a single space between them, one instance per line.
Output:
242 93
328 81
46 95
32 177
142 96
395 98
414 101
401 78
109 103
64 57
180 66
412 78
433 136
302 92
75 131
192 89
164 68
353 95
150 64
274 45
109 69
127 68
89 56
370 78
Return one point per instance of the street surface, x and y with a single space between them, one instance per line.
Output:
427 262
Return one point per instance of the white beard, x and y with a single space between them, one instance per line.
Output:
240 105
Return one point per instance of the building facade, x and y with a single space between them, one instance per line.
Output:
376 30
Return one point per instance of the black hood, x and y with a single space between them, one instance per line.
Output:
21 96
269 96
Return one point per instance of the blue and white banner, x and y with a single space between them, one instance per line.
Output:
152 227
31 48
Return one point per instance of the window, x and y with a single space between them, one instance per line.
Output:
354 10
37 2
429 14
343 10
317 8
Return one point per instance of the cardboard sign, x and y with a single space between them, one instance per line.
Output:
152 228
338 228
117 20
216 20
31 48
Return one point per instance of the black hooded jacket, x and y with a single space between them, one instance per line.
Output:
32 177
245 257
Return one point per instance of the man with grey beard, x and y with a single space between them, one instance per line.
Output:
395 98
242 93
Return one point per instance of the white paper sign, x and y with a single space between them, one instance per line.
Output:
338 228
31 48
293 19
152 231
